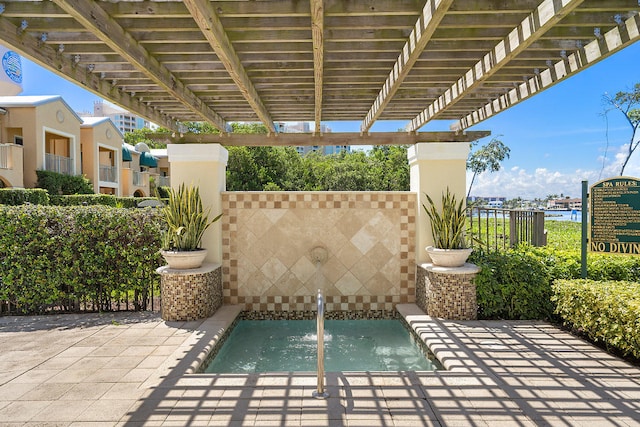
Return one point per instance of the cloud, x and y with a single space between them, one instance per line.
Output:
539 183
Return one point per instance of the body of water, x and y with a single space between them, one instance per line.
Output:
291 346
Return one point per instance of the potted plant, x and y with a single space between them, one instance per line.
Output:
448 227
186 222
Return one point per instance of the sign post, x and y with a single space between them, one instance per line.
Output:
615 216
583 246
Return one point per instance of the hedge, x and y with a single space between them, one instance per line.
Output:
512 284
607 312
20 196
566 265
516 283
57 183
54 257
97 199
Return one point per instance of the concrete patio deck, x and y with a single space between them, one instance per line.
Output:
130 369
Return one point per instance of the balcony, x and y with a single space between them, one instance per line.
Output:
59 164
163 181
140 179
108 173
6 158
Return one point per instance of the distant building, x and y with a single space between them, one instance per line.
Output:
564 204
492 202
124 120
305 127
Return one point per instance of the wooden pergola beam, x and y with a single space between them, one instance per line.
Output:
544 17
207 20
91 16
432 14
317 34
308 139
65 67
612 41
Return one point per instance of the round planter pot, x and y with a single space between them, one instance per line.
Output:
448 257
184 260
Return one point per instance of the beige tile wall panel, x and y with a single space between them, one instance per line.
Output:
267 240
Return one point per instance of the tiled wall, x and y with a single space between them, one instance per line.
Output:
268 237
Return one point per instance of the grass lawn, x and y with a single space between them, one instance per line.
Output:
563 235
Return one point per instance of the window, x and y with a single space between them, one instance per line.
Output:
17 139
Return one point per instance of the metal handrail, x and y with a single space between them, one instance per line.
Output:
320 393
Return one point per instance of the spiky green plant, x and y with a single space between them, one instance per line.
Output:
186 219
447 224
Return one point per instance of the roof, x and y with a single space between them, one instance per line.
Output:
318 60
95 121
34 101
28 101
159 152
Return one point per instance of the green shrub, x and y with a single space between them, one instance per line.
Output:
560 264
56 256
57 183
20 196
512 284
565 264
607 312
98 199
163 192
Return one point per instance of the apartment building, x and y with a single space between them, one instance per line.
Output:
44 133
37 133
101 148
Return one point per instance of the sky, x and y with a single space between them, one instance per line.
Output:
557 138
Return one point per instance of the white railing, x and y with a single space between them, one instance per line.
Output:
164 181
139 179
108 173
59 164
5 156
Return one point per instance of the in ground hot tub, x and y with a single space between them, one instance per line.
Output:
291 346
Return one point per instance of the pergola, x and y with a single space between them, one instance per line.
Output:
319 60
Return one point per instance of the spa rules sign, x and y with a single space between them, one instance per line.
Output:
615 216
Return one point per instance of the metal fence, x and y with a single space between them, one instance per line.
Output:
139 179
134 300
59 164
108 173
164 181
499 229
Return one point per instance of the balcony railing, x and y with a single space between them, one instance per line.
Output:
164 181
59 164
5 156
108 173
139 179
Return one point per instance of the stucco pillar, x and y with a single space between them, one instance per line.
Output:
434 166
202 165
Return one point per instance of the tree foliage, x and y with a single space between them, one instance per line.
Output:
628 103
282 168
141 135
384 168
487 158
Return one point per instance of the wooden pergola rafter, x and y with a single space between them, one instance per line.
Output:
548 13
317 34
610 42
432 14
205 16
318 60
105 28
67 67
